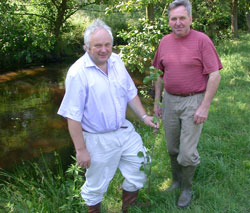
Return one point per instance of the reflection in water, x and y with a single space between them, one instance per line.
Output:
29 124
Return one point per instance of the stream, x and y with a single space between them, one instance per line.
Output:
29 124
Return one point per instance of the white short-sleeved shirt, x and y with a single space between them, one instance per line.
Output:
97 100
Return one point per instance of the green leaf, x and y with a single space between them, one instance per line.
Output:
147 79
152 68
140 154
155 119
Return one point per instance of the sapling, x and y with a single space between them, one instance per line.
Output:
146 165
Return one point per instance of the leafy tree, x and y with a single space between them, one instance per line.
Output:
142 42
212 17
31 30
245 8
130 6
53 15
141 37
17 37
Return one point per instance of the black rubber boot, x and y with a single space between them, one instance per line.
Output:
186 186
176 173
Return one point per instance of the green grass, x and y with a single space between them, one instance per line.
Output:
221 182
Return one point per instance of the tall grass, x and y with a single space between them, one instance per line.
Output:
33 187
221 182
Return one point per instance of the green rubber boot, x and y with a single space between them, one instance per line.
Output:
176 173
186 186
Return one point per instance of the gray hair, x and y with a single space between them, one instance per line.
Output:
177 3
97 24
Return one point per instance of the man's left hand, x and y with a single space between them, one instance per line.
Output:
201 115
149 120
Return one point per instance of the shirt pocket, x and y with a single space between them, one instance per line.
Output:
120 88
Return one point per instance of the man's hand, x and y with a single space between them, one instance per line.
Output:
157 110
201 115
149 120
82 154
136 105
83 158
158 94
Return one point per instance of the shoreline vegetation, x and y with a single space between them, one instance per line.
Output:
222 180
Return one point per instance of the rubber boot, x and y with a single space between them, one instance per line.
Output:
176 173
94 209
186 186
128 199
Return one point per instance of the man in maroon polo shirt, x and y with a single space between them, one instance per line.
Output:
190 66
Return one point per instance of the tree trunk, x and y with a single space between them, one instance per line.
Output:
235 18
248 21
150 12
58 27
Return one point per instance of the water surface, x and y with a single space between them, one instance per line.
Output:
29 124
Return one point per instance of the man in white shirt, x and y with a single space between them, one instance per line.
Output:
98 90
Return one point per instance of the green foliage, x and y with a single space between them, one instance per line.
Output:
213 18
24 39
149 160
130 6
32 30
154 74
42 30
142 42
34 187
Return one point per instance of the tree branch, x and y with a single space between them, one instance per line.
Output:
32 14
57 6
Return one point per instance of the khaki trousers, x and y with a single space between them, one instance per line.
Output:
182 134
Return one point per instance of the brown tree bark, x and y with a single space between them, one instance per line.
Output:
234 18
150 12
248 21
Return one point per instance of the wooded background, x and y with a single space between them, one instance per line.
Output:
41 31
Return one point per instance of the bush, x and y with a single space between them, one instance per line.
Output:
142 41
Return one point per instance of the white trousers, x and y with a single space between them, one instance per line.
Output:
109 151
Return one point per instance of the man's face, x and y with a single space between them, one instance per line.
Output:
180 21
100 47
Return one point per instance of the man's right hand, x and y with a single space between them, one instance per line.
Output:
83 158
157 110
82 154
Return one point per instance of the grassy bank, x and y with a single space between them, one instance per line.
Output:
221 182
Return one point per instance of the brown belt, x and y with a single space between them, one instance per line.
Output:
123 127
84 130
186 95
